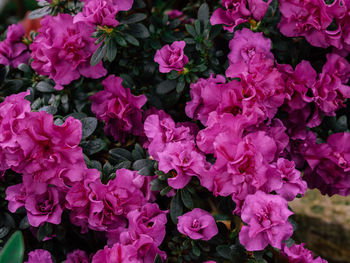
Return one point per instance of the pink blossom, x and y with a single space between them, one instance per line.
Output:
171 57
62 50
39 255
148 220
245 44
300 254
205 96
266 218
44 207
197 224
104 207
117 253
160 130
77 256
12 51
98 12
118 108
236 12
311 19
12 110
184 159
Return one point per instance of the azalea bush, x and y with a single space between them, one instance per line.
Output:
165 131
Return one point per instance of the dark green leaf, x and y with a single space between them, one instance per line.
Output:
341 124
195 249
136 155
138 30
157 185
40 12
120 40
197 26
180 85
132 40
186 198
166 86
190 30
139 164
215 31
121 154
146 171
190 41
138 4
124 164
165 190
13 250
203 13
24 67
157 259
49 109
224 251
98 55
24 224
176 208
89 125
134 18
45 230
94 146
111 51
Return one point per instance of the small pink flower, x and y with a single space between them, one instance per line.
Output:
197 224
39 255
77 256
300 254
118 108
171 57
266 218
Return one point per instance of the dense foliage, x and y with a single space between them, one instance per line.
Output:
132 131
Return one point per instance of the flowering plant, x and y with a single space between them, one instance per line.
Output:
131 131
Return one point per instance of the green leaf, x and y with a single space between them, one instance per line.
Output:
195 249
98 55
94 146
112 49
190 30
165 190
341 124
224 251
190 41
186 198
157 259
180 85
120 40
49 109
24 67
121 154
13 250
197 26
124 164
132 40
176 207
215 31
40 12
139 164
203 13
138 30
89 125
157 185
166 86
45 230
134 18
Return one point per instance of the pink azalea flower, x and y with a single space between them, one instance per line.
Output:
39 255
62 50
300 254
77 256
12 51
266 218
197 224
171 57
118 108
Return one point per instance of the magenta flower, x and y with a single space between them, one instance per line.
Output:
44 207
205 96
236 12
184 159
266 218
171 57
117 253
77 256
161 130
12 110
118 108
98 12
12 51
39 255
62 50
245 44
197 224
300 254
148 220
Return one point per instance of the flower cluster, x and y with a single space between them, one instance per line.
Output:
322 24
63 49
236 12
12 51
55 178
